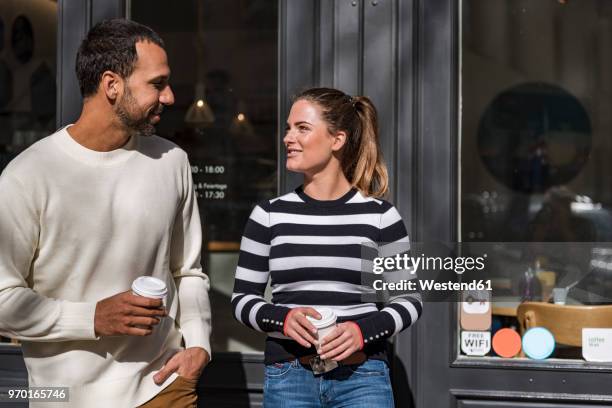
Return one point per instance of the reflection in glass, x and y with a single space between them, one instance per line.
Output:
22 39
223 59
535 147
27 75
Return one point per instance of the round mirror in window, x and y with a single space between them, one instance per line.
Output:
22 39
534 136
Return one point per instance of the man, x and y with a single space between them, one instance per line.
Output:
87 210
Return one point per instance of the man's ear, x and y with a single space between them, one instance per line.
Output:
111 84
339 140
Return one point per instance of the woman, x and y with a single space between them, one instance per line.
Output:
308 242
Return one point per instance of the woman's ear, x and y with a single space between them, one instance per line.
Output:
339 140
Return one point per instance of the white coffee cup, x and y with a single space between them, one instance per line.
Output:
148 286
326 324
559 295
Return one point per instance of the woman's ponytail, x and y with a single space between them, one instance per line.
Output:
369 172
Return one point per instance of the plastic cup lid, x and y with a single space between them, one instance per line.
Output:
328 317
538 343
150 287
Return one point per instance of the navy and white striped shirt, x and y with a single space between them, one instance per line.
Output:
311 250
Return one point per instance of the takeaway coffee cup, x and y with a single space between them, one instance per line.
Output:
148 286
326 324
324 327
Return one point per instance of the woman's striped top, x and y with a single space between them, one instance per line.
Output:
311 252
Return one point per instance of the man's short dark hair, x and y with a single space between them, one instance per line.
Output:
110 45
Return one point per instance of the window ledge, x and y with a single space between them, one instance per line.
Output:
526 363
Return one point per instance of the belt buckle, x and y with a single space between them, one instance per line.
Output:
319 366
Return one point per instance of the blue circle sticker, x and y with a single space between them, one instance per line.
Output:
538 343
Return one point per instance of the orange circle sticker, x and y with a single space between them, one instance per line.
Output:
506 343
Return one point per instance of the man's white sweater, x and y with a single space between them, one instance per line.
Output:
77 226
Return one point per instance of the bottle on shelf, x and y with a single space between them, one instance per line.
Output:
530 288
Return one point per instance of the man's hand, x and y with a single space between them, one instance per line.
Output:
127 314
343 341
187 363
299 328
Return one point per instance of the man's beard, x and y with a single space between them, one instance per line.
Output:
134 122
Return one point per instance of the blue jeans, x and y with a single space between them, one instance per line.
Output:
289 385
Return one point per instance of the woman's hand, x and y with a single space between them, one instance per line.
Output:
343 341
299 328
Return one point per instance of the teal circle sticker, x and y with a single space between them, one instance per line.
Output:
538 343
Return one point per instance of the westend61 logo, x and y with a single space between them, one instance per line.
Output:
428 263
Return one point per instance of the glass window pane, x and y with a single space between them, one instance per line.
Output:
28 30
223 57
536 96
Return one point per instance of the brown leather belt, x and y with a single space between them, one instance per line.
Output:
357 357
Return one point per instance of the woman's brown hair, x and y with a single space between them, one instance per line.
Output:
361 159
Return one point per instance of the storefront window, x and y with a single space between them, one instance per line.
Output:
536 174
27 76
223 57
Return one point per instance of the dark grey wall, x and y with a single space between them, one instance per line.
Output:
12 370
363 48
